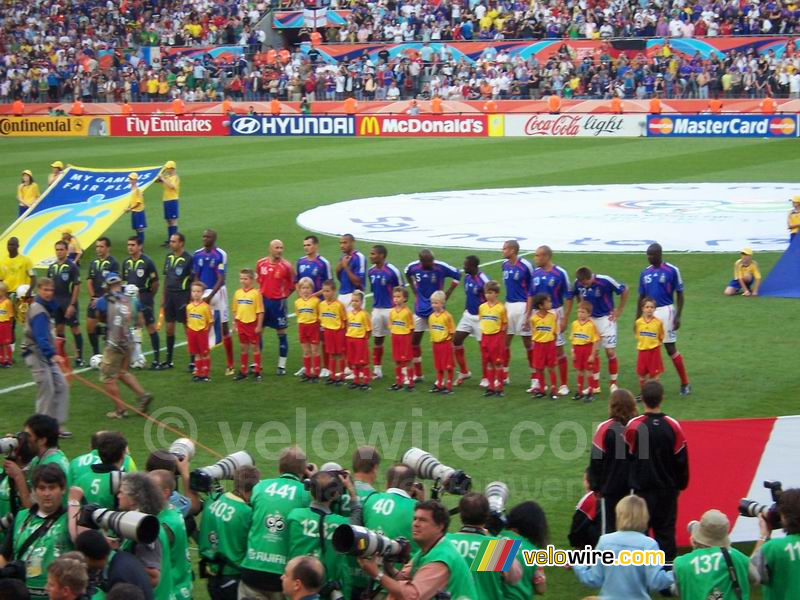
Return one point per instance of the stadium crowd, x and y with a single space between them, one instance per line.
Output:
94 526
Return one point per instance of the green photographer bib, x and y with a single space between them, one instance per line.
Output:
460 585
523 589
43 551
783 558
97 489
223 533
180 559
391 515
703 573
488 584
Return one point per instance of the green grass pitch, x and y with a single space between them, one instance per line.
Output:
739 352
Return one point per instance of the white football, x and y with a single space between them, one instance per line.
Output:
95 361
138 362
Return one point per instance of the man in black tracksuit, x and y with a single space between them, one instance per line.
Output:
659 467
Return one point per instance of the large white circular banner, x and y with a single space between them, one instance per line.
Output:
598 218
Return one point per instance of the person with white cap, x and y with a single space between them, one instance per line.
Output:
172 190
136 208
713 569
27 192
58 169
746 276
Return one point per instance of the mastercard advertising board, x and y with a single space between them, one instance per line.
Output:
722 126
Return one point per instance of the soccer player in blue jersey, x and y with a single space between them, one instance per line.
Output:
210 264
351 270
599 291
426 276
383 278
318 270
517 277
474 280
662 281
549 278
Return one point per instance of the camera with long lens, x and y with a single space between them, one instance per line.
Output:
427 466
752 508
131 524
182 448
362 542
6 522
9 445
497 495
202 480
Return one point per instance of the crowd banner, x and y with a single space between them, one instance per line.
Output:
85 201
574 125
708 125
163 125
293 125
45 126
755 450
422 125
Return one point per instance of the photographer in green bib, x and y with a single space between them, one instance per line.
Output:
392 512
474 511
40 534
366 460
527 523
82 464
778 560
267 541
100 482
177 539
226 521
436 569
311 529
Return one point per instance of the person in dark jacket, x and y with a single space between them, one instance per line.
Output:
585 527
659 468
608 467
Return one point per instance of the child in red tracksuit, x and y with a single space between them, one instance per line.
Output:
401 326
199 320
583 337
6 326
359 326
333 318
494 323
443 328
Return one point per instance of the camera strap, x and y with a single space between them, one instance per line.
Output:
737 588
49 521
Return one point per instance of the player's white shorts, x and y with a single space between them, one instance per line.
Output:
470 324
380 322
420 323
219 304
345 299
516 319
559 313
666 314
607 330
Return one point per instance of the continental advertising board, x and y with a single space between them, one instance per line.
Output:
36 126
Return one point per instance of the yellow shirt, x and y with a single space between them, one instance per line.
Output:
401 322
152 86
794 222
136 202
544 328
163 87
28 194
581 334
442 326
331 314
199 316
359 325
649 334
174 181
6 310
493 319
307 310
747 272
16 271
247 305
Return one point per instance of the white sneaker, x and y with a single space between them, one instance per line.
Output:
324 373
613 388
484 383
596 390
350 377
377 373
419 379
563 391
300 371
462 377
587 391
348 371
534 386
507 381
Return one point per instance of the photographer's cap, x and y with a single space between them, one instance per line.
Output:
711 530
112 278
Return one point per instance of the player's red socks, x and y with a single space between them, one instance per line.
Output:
316 365
228 344
307 366
377 355
580 382
490 375
398 374
484 363
410 376
596 373
203 366
356 375
439 378
677 360
417 353
506 363
5 354
461 359
613 368
366 375
450 374
242 360
563 369
553 386
257 360
340 371
331 367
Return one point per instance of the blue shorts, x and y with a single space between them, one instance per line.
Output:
22 210
138 220
275 314
734 283
170 209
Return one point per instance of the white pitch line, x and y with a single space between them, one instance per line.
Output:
22 386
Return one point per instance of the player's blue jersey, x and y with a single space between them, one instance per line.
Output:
555 283
600 293
208 264
382 281
517 279
661 283
427 281
473 290
358 265
317 269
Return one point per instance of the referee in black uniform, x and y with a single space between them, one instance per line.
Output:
140 271
66 278
101 266
177 279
